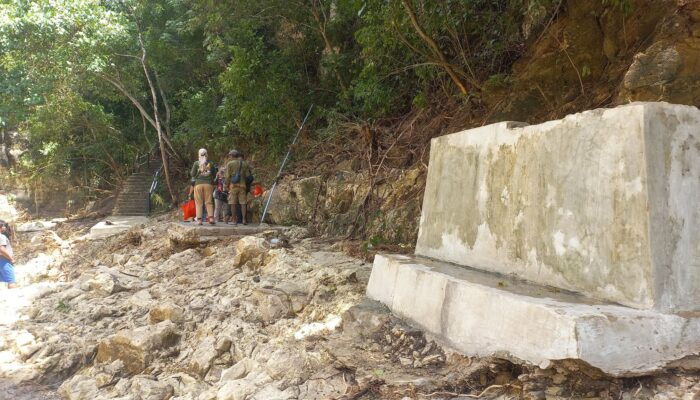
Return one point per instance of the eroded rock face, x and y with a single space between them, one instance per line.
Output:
204 356
333 203
136 348
250 249
148 388
166 312
79 387
8 212
657 66
272 304
105 284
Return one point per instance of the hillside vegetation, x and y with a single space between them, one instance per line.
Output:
94 84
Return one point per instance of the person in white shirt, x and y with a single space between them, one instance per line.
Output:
7 269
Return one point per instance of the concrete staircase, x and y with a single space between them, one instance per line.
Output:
133 198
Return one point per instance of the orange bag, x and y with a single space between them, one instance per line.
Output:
257 190
189 210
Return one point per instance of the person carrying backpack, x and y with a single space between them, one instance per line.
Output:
7 269
203 173
239 176
221 196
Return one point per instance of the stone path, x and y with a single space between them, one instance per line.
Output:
13 303
114 225
13 391
279 315
222 229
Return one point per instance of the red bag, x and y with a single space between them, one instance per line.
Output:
189 210
257 190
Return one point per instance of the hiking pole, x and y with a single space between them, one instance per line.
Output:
274 185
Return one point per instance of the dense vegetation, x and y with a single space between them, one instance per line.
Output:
91 84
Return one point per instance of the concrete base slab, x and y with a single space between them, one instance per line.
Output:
485 314
114 225
221 229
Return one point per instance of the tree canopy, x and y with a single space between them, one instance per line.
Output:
94 83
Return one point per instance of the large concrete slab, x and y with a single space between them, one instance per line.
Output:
605 203
114 225
485 314
220 229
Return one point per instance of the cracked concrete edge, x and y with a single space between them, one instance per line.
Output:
479 318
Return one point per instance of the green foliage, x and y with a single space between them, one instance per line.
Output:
63 306
237 73
585 70
623 5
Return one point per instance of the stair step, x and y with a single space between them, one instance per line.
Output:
131 214
132 199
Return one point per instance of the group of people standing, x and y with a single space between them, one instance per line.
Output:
220 190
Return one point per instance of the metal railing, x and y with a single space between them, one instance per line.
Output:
144 159
154 186
284 162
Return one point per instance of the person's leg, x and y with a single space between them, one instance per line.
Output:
243 202
231 205
217 209
7 273
222 210
227 210
209 201
198 202
235 208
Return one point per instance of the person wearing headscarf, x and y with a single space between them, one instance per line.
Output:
203 174
7 269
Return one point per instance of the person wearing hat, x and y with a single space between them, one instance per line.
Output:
203 173
237 171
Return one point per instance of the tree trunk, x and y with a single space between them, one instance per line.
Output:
435 49
145 114
326 41
5 158
156 119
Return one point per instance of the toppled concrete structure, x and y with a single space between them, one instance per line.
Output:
114 226
602 203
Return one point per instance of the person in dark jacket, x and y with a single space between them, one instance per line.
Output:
220 196
237 193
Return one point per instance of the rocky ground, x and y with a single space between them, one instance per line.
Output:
149 315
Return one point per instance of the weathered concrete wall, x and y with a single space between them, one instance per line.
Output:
605 203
